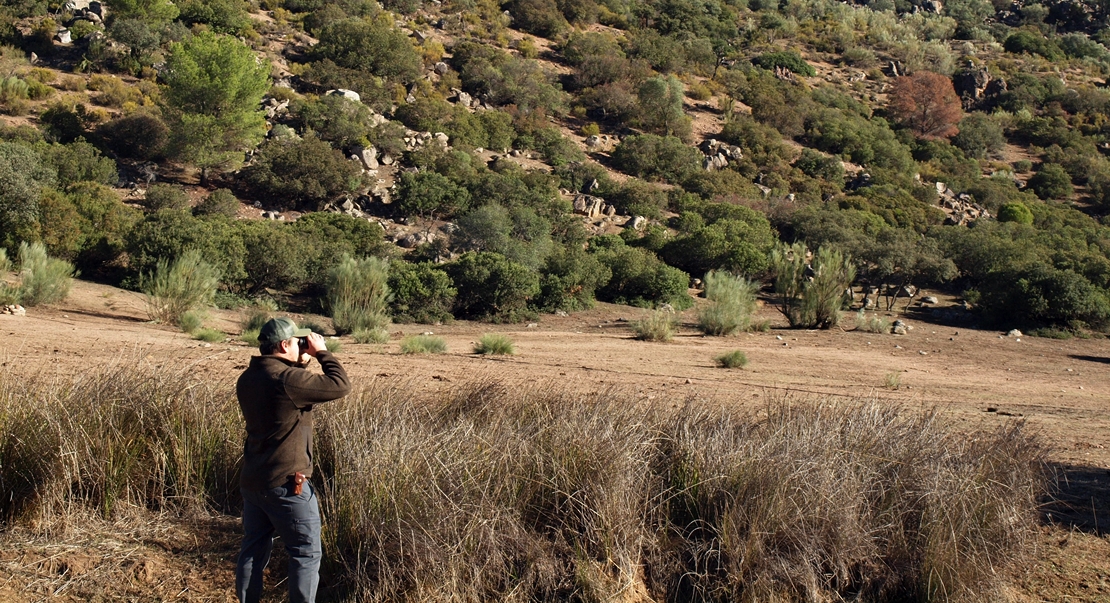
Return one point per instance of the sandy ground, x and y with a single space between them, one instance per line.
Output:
982 378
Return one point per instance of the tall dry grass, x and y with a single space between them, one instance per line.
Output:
495 493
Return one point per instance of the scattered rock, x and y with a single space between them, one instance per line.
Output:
929 299
1014 333
348 94
14 310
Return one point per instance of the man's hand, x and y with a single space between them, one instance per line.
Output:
316 344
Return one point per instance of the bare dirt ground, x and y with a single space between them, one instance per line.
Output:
981 378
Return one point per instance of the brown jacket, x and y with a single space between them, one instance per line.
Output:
276 397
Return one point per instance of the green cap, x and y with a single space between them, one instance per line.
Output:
280 329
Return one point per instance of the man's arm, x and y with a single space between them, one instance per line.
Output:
304 387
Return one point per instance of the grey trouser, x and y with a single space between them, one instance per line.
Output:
296 519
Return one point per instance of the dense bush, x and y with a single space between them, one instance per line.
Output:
811 292
220 202
165 235
42 279
979 135
569 279
654 157
517 233
81 162
373 46
639 278
736 245
1015 212
1041 295
140 135
491 287
23 176
165 196
422 292
1032 42
303 173
788 59
1051 182
428 194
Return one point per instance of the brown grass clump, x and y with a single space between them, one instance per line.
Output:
492 493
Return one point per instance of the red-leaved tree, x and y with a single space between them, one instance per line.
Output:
927 103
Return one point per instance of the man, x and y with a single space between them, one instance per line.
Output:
276 395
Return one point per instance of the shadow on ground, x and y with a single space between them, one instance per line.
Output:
1079 498
1098 359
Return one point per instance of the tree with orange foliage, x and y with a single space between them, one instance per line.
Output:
927 103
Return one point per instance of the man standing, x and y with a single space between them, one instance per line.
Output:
276 395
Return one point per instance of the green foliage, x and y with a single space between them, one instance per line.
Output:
209 335
139 135
1032 42
551 145
736 244
733 359
872 324
659 325
811 292
421 293
787 59
494 344
538 17
191 321
327 236
164 235
333 345
23 176
378 336
372 46
423 344
867 142
1041 295
731 304
507 79
1051 182
166 196
517 233
343 122
639 278
1015 212
817 165
302 173
214 86
220 202
80 162
660 107
42 279
223 16
654 157
569 278
428 194
358 294
103 222
178 287
979 135
491 287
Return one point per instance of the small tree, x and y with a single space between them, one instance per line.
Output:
811 292
358 294
927 103
214 85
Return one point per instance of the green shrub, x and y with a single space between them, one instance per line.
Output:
191 321
178 287
220 202
731 304
140 135
569 279
1051 182
209 335
333 345
358 294
659 325
165 196
168 233
739 246
872 324
656 157
81 162
733 359
491 287
492 344
811 293
979 135
250 337
341 121
639 278
538 17
428 194
1015 212
372 46
788 59
378 336
1026 41
517 233
421 293
423 344
42 279
303 173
